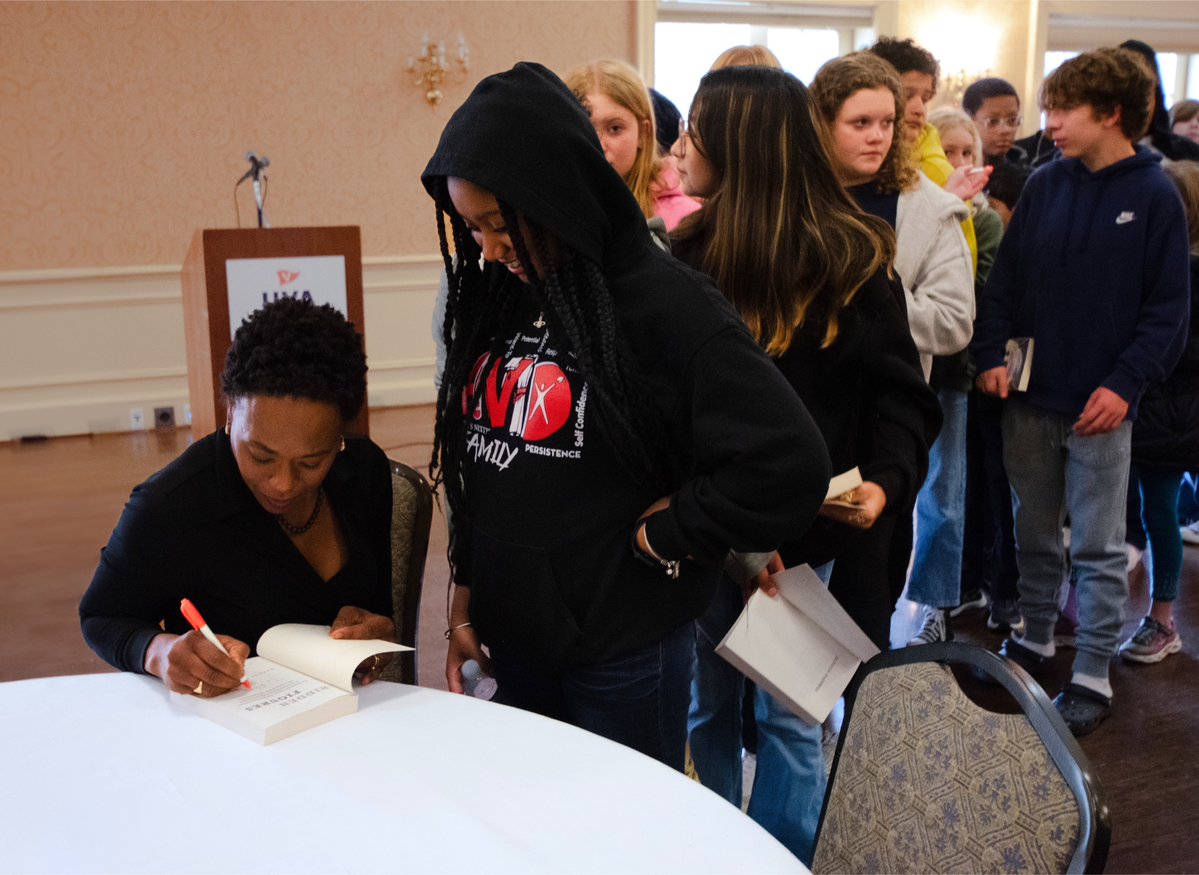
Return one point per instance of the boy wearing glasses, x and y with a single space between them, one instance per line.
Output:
994 106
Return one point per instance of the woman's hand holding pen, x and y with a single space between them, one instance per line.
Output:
192 664
354 623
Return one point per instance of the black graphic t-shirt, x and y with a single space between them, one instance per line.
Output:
534 400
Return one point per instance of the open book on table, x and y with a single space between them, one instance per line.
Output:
800 647
301 678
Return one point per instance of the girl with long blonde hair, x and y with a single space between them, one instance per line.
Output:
622 113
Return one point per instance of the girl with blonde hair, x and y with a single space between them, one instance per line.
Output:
746 56
622 113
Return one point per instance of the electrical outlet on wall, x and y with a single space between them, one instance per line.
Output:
137 419
164 417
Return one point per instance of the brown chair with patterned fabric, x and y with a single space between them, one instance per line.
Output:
925 780
411 516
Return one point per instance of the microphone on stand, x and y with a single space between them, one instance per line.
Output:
257 165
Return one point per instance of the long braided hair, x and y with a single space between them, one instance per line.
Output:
579 308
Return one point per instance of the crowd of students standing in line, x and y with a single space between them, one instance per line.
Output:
655 350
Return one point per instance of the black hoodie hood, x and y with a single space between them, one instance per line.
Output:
1171 145
523 136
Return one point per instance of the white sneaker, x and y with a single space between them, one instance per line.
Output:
1190 533
933 627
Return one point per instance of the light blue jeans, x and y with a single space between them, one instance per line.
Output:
1054 472
936 577
789 781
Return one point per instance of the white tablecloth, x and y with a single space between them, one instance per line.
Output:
101 773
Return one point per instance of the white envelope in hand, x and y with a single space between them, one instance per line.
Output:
801 647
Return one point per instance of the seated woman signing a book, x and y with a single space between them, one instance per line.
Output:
276 518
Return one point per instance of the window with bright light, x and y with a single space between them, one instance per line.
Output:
1179 72
684 51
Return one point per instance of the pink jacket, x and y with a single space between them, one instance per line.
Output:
670 204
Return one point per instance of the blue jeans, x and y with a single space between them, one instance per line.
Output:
638 700
1054 472
936 577
1159 515
789 781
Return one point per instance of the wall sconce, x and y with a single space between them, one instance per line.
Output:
431 67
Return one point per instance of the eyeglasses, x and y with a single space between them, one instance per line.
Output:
684 133
1001 121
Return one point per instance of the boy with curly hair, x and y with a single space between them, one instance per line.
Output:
1094 269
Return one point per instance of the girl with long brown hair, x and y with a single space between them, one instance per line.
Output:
810 275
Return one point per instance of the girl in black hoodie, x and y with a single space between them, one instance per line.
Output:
606 428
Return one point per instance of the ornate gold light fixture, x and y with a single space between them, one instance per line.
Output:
431 66
953 85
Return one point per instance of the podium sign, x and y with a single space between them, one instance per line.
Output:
228 274
254 282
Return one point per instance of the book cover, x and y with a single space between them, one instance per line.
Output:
300 678
840 487
801 647
1017 357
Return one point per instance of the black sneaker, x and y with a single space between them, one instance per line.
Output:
971 601
1005 617
1029 660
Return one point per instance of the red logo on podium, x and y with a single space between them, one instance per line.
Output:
286 276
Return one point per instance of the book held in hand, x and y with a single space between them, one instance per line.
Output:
1017 357
841 487
301 678
800 647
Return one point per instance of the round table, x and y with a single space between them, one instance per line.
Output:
101 773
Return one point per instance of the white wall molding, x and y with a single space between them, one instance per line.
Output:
81 347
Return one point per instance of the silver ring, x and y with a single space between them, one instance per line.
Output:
199 690
375 666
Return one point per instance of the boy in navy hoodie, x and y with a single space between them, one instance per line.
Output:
1094 268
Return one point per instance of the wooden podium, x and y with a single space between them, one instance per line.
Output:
206 302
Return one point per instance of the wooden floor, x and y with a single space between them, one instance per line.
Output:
61 498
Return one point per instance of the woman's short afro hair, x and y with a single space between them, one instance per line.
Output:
293 348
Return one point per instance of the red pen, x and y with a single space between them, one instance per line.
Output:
193 617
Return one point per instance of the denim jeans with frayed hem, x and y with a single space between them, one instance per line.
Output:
1055 472
936 577
789 779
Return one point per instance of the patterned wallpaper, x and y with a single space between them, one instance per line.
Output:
123 125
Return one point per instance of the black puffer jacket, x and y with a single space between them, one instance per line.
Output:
1166 431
